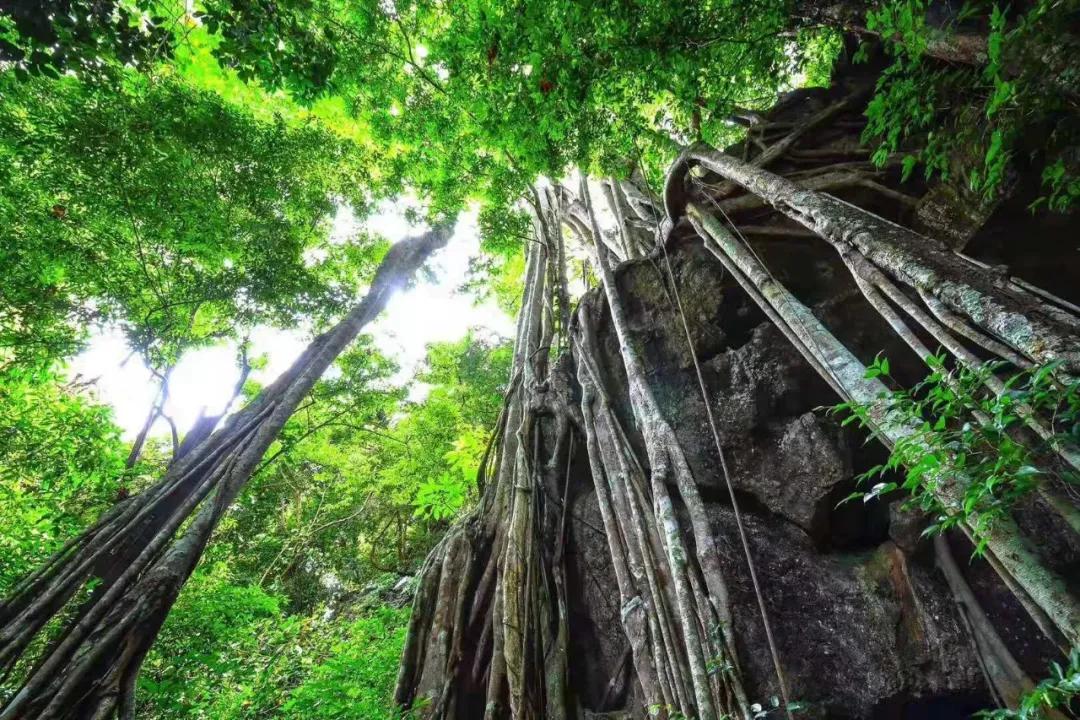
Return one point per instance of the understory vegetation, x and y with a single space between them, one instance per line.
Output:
1016 103
186 177
299 608
963 430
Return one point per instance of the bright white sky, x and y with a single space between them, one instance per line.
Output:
429 312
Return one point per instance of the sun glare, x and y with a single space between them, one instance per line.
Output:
204 379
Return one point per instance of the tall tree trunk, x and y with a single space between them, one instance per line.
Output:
490 615
89 668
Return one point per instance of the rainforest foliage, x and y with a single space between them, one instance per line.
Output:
171 173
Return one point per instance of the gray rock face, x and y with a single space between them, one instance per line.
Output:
856 632
598 662
865 624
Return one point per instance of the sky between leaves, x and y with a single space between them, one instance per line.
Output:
433 310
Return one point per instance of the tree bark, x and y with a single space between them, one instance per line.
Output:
1037 330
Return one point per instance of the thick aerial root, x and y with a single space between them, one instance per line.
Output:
872 282
1042 333
1016 561
777 150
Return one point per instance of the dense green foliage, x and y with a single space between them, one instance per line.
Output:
1019 101
966 431
54 36
478 98
347 491
61 460
287 617
231 651
165 210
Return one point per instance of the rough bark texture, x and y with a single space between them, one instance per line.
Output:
865 629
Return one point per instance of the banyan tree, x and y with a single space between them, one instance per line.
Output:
661 527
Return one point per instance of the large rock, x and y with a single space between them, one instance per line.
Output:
859 634
865 629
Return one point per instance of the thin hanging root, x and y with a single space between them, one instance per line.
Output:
673 657
777 149
645 553
496 592
1063 448
753 290
647 662
803 201
1072 311
556 669
450 603
496 686
1004 675
1017 563
721 593
1035 611
650 561
785 144
661 675
1045 295
663 507
668 461
515 587
955 323
865 278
